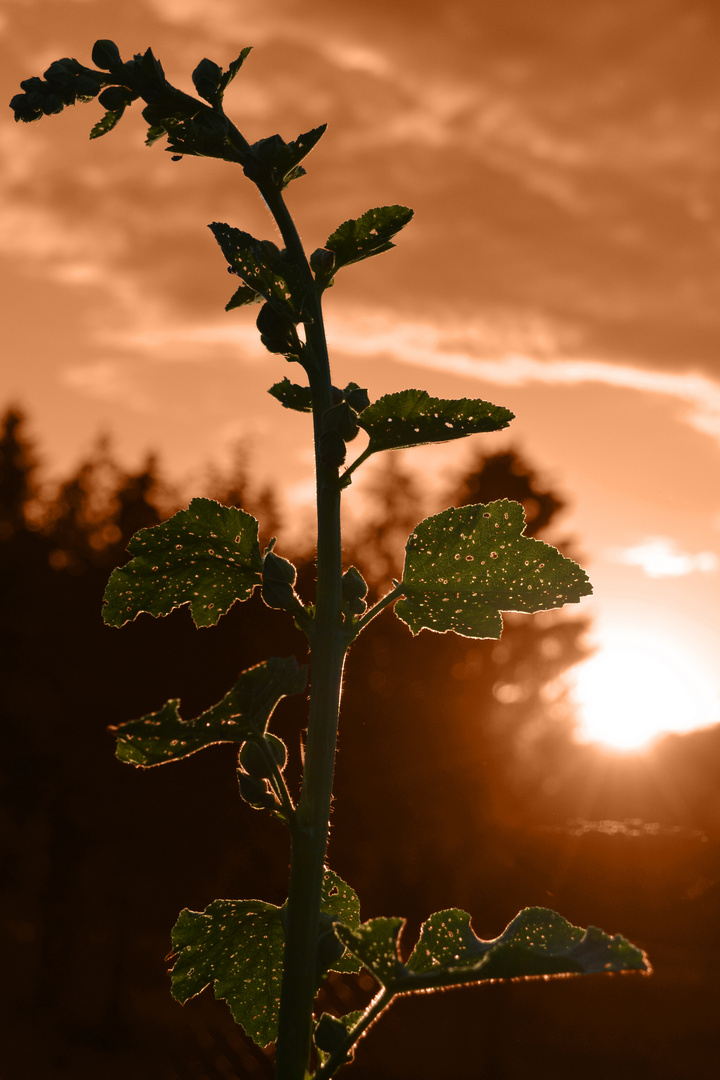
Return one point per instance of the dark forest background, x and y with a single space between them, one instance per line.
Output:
458 784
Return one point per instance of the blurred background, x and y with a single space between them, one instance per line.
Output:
562 162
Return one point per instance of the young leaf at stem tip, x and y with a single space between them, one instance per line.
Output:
464 566
207 556
283 159
245 710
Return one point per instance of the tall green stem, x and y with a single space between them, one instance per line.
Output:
329 644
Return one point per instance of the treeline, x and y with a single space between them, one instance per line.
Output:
456 762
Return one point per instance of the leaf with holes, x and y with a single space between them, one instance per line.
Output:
228 76
412 418
464 566
339 903
237 946
206 556
292 396
537 942
375 944
368 235
244 711
261 267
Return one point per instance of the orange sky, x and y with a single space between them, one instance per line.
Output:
562 160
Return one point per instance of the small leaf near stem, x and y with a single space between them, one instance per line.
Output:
413 418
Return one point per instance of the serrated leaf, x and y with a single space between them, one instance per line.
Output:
412 418
331 1032
368 235
464 566
232 71
107 123
375 944
292 396
537 942
342 904
237 946
278 284
244 711
284 157
206 556
244 295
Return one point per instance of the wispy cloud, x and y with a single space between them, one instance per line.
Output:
107 380
428 346
660 556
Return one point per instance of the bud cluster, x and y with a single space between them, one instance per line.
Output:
340 424
259 759
65 82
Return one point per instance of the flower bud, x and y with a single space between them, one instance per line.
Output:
356 397
254 761
278 749
86 88
322 261
332 449
342 419
106 55
115 98
206 79
52 104
277 585
277 332
255 791
354 585
354 591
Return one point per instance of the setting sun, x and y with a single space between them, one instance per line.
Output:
639 686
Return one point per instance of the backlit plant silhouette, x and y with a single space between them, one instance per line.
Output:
462 568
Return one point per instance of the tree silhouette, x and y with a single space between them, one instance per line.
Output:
98 859
18 467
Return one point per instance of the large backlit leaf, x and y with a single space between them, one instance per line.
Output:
206 556
237 946
367 235
464 566
244 711
537 942
412 417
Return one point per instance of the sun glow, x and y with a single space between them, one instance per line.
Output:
639 686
